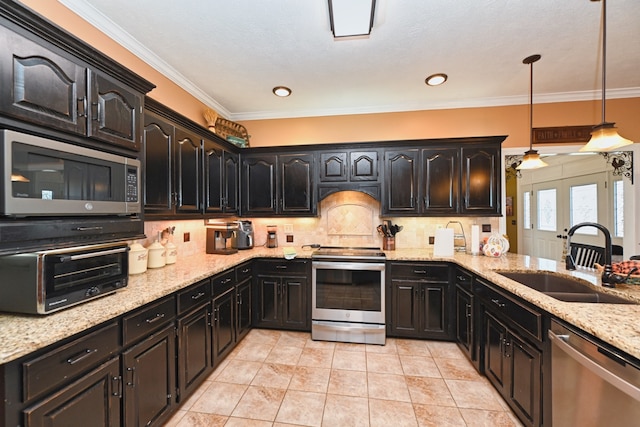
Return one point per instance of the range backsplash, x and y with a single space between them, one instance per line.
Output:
347 218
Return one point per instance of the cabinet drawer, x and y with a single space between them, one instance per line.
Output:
520 315
197 294
282 267
427 271
464 279
144 321
50 370
244 271
222 282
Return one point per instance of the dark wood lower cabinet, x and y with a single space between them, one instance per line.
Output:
194 350
243 312
149 375
95 397
223 323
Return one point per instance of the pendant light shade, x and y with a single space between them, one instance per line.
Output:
604 137
531 159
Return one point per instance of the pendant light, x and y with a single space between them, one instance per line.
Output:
531 159
605 137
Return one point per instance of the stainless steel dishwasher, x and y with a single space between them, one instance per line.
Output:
591 385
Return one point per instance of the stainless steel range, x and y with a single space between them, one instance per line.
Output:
348 298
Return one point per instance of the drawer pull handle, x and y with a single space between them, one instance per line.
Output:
246 270
281 267
197 296
498 302
420 271
81 356
155 318
227 280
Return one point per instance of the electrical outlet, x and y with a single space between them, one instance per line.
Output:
432 240
288 229
289 238
187 237
486 228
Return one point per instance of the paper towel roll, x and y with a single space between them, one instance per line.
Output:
475 239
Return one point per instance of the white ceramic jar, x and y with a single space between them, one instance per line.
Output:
172 252
157 255
138 255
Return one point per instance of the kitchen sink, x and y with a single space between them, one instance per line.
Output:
563 288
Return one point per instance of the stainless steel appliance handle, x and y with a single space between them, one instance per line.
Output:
561 342
65 258
347 265
335 327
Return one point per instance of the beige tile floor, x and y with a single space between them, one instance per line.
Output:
278 378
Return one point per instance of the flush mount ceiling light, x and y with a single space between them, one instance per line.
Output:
281 91
604 137
436 79
351 18
531 159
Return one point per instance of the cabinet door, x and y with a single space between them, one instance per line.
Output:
188 149
363 165
294 303
114 112
400 182
405 308
496 346
480 180
296 186
440 181
333 167
243 314
158 143
433 299
149 375
223 325
94 399
41 87
231 183
259 185
464 321
525 372
194 350
213 177
268 301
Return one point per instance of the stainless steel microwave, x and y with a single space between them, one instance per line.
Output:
44 177
46 281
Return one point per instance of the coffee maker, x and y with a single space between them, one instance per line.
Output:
272 236
220 237
244 237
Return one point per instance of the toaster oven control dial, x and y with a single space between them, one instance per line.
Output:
92 291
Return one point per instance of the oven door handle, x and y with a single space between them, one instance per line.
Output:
65 258
334 327
346 265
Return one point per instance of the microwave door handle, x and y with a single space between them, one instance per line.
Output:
65 258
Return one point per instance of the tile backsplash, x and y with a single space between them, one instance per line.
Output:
347 218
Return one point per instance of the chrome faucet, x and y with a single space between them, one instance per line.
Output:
608 278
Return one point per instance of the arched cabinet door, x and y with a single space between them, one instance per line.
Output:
259 184
401 171
441 178
480 185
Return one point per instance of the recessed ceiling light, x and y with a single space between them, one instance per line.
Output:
436 79
281 91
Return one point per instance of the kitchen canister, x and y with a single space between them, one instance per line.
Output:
172 252
157 255
137 258
496 245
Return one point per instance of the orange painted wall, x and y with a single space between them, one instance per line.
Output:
510 120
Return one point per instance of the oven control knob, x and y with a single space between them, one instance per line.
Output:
92 291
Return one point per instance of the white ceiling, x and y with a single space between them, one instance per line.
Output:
231 53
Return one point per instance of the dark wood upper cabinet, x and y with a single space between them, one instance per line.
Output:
441 178
363 165
480 185
221 179
401 171
54 81
115 112
259 184
158 137
333 167
296 184
187 162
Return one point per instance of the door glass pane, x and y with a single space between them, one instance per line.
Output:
583 202
526 210
547 210
618 208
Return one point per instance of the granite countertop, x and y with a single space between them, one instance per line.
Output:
617 324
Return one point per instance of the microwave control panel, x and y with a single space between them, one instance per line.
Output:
132 184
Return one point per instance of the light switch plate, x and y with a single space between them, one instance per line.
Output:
288 229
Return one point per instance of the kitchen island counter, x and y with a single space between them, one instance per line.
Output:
617 324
